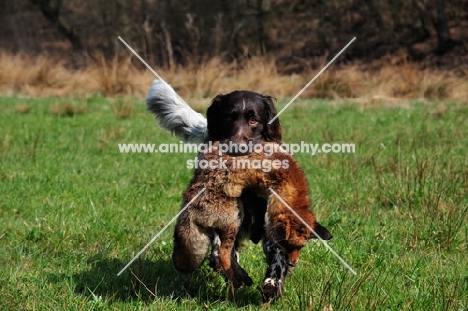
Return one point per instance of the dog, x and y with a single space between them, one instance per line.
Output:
241 117
219 212
226 115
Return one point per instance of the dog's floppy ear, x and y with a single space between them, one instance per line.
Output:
322 232
213 118
272 132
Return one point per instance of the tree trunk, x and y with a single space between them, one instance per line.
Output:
170 51
51 10
444 42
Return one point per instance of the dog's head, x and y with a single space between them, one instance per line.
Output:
241 117
291 235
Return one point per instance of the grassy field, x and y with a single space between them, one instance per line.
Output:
74 210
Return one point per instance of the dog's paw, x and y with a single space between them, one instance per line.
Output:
271 290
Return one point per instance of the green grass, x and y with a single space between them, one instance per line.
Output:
74 211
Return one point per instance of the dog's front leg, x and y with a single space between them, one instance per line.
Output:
276 271
214 257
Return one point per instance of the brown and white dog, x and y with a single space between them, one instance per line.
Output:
240 117
219 212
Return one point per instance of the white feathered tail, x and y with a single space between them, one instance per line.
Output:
174 115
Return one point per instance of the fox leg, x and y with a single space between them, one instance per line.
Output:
227 237
242 235
190 245
233 271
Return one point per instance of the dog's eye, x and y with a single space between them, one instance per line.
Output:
253 121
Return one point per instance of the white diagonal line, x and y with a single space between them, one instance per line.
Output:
160 232
148 66
313 79
141 59
315 233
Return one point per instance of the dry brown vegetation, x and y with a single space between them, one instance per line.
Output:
122 108
390 78
66 109
23 108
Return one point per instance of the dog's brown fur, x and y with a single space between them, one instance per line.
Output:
219 211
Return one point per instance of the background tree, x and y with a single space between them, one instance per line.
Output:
298 32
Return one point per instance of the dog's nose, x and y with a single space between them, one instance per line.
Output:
242 135
240 139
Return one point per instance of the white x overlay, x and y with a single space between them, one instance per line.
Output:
313 79
201 191
313 231
160 232
148 66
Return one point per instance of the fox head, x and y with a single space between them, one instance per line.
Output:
291 235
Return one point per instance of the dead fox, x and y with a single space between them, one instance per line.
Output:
218 211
